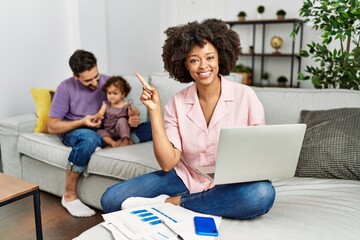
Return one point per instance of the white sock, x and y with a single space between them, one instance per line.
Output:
141 201
77 208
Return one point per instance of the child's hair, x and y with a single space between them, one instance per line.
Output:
118 82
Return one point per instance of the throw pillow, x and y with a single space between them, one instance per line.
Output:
331 146
42 98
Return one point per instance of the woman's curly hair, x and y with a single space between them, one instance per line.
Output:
181 39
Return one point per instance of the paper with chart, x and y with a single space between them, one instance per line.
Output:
145 223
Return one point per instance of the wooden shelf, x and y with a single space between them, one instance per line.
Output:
270 55
262 54
265 21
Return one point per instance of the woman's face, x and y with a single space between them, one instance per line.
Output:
203 63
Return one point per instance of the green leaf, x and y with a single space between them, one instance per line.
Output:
304 53
338 20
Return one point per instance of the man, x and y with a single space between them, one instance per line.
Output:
72 117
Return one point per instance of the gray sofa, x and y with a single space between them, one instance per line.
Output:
41 158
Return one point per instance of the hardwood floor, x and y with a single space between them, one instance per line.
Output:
17 220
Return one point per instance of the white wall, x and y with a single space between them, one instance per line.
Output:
93 29
34 47
134 36
38 36
190 10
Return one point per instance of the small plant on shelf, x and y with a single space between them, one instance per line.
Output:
251 49
242 15
281 14
265 78
241 68
260 10
282 81
265 75
245 73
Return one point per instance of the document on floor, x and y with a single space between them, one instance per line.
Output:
159 222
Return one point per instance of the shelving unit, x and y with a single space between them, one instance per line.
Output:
262 54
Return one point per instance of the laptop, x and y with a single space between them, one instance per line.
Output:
256 153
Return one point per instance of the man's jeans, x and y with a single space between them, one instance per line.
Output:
142 133
83 142
240 201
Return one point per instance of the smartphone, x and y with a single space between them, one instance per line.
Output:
205 226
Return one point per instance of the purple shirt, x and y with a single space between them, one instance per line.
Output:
73 101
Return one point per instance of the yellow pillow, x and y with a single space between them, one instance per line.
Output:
42 98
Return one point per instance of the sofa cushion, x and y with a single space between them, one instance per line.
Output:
44 147
331 146
166 86
124 162
283 105
120 163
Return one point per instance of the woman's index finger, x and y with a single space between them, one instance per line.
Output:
142 80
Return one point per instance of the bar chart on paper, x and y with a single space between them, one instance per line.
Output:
160 222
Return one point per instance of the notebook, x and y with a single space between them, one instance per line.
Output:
256 153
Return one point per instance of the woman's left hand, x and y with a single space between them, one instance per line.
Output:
149 96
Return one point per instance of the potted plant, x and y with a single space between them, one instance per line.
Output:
337 56
242 15
245 73
251 49
282 81
281 14
260 10
265 79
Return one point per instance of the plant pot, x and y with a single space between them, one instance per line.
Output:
280 17
241 19
260 16
251 49
245 78
282 84
264 82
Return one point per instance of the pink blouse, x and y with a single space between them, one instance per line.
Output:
187 130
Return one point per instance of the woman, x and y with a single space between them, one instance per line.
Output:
188 136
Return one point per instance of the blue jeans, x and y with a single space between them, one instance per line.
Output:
239 201
83 141
142 133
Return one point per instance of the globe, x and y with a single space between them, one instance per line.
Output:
276 43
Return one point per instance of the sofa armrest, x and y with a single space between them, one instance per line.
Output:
10 129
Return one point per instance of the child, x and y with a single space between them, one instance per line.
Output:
116 130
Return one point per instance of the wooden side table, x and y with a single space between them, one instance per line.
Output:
13 189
